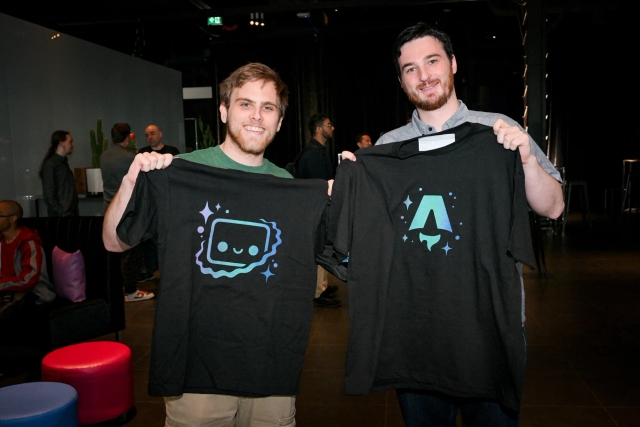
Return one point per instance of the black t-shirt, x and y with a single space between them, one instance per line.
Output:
432 239
315 162
166 149
236 252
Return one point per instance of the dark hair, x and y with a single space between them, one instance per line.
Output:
56 138
120 132
418 31
360 135
254 71
316 121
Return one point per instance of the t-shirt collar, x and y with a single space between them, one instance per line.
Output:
459 117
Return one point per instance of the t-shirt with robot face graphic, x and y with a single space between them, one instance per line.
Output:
433 238
236 253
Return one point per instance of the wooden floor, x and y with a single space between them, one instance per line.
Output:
583 336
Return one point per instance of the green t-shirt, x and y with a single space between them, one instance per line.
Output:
215 157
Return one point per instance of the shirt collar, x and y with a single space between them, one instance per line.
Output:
459 117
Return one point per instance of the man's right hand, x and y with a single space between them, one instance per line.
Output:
348 155
146 162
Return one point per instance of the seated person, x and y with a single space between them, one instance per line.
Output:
23 276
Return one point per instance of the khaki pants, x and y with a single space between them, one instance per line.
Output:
322 281
216 410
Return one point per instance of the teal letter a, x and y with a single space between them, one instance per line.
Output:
430 204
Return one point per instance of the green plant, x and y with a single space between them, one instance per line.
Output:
133 145
98 144
207 136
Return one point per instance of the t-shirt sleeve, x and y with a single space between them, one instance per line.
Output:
339 229
520 243
140 220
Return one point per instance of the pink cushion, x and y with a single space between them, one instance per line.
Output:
69 279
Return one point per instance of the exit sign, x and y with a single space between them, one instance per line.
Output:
214 20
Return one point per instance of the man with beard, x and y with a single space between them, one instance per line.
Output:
425 64
315 163
253 100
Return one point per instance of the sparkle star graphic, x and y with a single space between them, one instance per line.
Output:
407 202
267 273
206 212
218 207
446 249
404 237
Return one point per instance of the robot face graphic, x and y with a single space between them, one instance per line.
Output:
235 247
236 244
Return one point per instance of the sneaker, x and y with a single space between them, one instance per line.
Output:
138 296
329 292
145 276
326 302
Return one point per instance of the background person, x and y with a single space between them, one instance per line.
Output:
315 163
58 182
153 136
363 140
115 163
23 278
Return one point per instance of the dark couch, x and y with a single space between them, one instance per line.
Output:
103 310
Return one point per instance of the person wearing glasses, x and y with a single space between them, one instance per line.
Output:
315 162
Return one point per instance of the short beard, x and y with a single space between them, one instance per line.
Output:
246 147
431 104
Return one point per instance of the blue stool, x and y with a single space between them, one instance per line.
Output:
39 404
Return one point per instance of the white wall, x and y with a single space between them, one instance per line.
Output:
67 83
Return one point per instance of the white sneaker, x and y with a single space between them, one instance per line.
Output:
138 296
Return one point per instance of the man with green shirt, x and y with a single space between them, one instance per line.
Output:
253 100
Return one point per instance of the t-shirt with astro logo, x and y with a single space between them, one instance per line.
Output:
236 252
434 293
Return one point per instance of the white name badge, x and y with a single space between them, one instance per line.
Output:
427 143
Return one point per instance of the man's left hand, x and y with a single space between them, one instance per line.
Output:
512 138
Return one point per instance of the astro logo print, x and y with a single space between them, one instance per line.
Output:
430 234
233 246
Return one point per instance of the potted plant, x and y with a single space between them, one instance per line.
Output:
99 143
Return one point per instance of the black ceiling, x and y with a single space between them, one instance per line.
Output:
175 32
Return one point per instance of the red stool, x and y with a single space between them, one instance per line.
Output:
101 373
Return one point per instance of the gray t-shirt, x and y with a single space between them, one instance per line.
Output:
417 128
114 164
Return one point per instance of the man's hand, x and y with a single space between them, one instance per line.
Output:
146 162
142 162
348 155
543 192
513 138
330 182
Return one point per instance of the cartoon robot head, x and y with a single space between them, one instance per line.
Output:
236 247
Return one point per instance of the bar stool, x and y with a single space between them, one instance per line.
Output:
39 404
102 374
536 239
581 185
628 178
